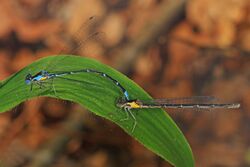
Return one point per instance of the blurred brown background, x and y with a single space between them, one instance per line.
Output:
170 48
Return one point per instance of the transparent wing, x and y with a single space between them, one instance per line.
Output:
183 100
201 102
81 37
86 33
77 44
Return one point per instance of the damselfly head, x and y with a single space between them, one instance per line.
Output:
28 79
121 103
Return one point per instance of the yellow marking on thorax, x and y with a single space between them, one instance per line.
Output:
134 104
43 78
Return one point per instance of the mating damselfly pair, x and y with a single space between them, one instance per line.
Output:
127 104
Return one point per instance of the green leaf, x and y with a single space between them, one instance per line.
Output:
155 129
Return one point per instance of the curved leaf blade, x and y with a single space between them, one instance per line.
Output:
155 129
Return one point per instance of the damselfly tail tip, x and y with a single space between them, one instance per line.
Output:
235 106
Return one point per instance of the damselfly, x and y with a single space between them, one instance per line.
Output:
196 102
44 76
